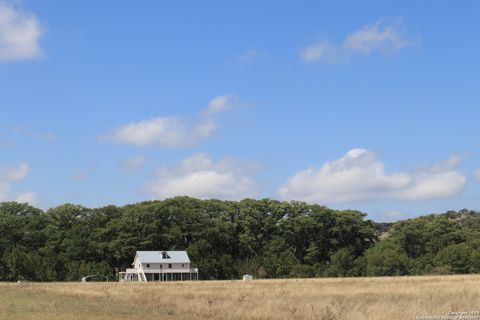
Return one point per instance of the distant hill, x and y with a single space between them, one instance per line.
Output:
465 217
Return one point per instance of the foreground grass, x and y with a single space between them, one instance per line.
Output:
328 299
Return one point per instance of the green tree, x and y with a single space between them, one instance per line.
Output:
459 258
386 259
344 264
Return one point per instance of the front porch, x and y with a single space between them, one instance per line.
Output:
158 275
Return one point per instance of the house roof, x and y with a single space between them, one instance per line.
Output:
156 257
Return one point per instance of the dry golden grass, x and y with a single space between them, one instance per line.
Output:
328 299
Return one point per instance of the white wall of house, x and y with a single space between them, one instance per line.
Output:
165 266
137 264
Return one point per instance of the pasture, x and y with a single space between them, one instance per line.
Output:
347 298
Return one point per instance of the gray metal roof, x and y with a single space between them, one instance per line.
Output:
156 257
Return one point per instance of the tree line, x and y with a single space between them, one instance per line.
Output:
226 239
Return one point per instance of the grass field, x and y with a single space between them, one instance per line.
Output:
328 299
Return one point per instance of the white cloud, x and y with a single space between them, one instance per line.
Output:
199 176
32 134
81 175
48 137
14 173
477 175
386 36
11 174
20 34
221 104
322 50
172 131
249 56
392 216
161 131
133 163
29 197
360 176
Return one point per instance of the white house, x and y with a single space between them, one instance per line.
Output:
160 266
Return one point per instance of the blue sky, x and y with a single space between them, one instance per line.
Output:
372 105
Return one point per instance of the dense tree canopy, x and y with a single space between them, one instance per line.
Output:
225 239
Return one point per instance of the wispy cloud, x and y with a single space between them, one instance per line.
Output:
161 131
199 176
14 173
49 137
133 163
83 174
174 131
392 216
221 104
320 50
32 134
248 56
386 36
20 33
10 175
477 175
360 176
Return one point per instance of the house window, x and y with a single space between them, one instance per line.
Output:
148 265
170 266
161 266
183 265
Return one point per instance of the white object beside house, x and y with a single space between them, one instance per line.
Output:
247 277
160 266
